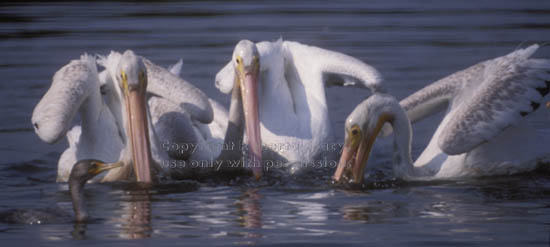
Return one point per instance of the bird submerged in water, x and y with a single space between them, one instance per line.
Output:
83 171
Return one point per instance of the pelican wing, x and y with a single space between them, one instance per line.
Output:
172 126
71 85
169 85
508 89
174 88
336 68
176 68
440 94
225 78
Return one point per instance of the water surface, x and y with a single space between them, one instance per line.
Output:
412 43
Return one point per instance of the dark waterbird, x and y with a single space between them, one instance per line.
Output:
82 171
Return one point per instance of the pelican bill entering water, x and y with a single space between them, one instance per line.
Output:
493 125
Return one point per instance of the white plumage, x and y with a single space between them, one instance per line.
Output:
491 126
77 87
494 123
294 118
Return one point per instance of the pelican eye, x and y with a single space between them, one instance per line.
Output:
354 133
355 130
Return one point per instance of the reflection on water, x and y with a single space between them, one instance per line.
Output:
411 43
136 216
79 231
249 211
371 212
132 220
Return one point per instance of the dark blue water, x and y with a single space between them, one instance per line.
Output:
412 43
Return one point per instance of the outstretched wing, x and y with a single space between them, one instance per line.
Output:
335 68
509 88
439 95
332 68
71 85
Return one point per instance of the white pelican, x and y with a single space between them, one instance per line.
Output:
491 126
174 105
290 90
116 127
216 144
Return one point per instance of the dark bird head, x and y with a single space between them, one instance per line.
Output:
83 171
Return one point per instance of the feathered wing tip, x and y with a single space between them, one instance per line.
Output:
536 70
110 62
176 68
519 58
90 61
535 63
512 87
269 50
523 53
375 84
352 71
278 42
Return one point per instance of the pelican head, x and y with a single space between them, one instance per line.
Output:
362 127
246 60
81 172
131 77
246 54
